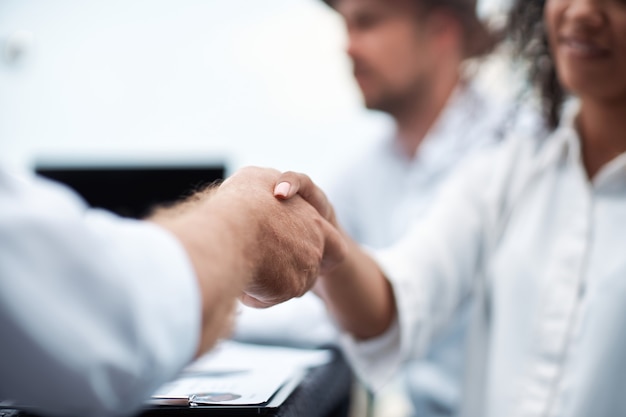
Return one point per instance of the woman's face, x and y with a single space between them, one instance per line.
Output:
588 43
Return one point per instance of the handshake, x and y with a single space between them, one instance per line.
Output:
261 237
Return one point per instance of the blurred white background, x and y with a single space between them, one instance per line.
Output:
239 81
243 81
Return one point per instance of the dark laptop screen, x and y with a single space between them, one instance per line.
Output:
131 191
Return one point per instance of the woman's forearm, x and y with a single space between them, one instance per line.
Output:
358 295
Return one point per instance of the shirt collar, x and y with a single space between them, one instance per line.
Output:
564 143
565 146
465 103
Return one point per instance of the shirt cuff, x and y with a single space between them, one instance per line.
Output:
375 361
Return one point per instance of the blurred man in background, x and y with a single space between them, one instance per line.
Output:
408 58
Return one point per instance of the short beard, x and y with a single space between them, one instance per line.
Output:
398 104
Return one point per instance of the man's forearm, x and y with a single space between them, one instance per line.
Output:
218 242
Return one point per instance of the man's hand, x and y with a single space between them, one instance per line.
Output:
294 242
244 243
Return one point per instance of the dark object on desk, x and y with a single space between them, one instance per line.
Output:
324 392
131 191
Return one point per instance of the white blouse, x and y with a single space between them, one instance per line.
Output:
379 194
539 249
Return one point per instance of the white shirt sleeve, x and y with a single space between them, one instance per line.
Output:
95 311
432 270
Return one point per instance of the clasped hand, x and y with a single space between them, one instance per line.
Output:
298 239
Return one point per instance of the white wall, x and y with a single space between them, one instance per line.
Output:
260 82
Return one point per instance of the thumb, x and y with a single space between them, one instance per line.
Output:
254 302
291 183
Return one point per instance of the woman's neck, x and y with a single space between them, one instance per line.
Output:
602 127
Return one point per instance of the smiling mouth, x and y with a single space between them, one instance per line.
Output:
583 48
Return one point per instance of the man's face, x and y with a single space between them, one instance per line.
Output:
392 50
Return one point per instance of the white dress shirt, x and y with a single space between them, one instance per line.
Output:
95 311
540 248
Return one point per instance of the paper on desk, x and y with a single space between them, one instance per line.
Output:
240 374
236 388
235 356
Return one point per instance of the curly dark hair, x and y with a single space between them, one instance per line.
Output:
526 29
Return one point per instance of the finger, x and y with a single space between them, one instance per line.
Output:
289 183
254 302
335 247
283 190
